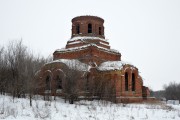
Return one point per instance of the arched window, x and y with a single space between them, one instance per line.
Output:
48 82
100 31
133 82
58 82
89 28
77 29
126 81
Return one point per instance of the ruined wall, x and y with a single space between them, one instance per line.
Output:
117 77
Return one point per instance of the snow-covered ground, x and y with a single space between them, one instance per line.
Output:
84 110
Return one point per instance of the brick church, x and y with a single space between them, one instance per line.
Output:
101 72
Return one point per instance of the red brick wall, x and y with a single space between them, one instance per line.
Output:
138 84
118 76
145 91
97 42
83 21
91 53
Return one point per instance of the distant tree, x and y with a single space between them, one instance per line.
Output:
3 71
151 92
172 91
159 94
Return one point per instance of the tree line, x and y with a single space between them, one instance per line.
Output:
170 92
18 65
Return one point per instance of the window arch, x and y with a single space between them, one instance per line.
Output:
126 81
77 28
58 82
89 28
133 82
48 83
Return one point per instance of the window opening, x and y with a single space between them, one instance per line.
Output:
126 81
100 31
89 28
48 79
78 29
59 82
133 82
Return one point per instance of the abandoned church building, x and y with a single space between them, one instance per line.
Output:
89 69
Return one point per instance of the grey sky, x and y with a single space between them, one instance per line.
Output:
146 32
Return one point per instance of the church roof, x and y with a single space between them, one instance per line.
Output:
105 66
72 64
86 38
87 17
86 46
113 65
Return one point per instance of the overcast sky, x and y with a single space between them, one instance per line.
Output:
146 32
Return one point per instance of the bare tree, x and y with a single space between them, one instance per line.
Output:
73 82
172 91
102 86
3 71
18 66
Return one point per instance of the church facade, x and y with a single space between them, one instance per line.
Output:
101 72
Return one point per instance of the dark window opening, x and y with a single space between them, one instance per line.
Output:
78 29
48 79
133 82
59 82
100 31
87 83
126 81
89 28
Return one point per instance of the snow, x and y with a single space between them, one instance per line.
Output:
83 110
73 49
105 66
72 63
86 38
113 65
104 44
85 47
77 42
174 102
74 42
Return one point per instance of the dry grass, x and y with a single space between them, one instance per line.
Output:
158 105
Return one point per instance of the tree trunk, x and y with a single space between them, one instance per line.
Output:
30 98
